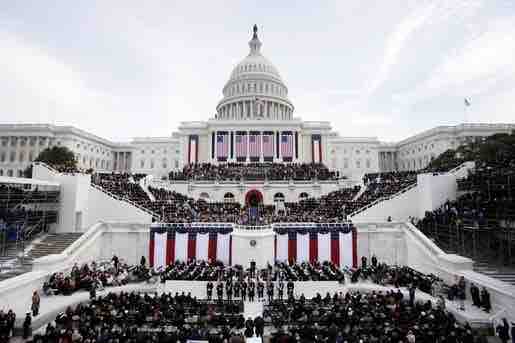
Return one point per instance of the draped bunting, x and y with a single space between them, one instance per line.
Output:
182 242
316 243
308 242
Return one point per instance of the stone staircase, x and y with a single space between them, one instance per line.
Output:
506 274
11 264
53 244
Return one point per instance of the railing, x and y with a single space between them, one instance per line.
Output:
250 227
389 197
119 198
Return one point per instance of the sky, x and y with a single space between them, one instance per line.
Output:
386 69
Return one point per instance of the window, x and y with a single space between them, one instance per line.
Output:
368 164
4 142
2 157
20 173
176 164
358 164
357 152
1 172
165 163
10 172
22 156
345 163
23 142
151 164
13 142
12 157
142 164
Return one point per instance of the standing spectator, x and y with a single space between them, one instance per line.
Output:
485 300
363 262
512 332
474 294
462 286
35 303
503 331
27 326
374 261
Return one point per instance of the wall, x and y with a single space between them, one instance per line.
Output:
399 208
434 191
102 207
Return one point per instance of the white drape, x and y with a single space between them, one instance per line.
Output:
316 151
202 246
282 247
181 246
193 151
324 247
223 247
345 249
159 250
302 247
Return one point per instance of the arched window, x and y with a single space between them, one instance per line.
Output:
1 172
165 163
10 172
358 164
303 195
368 163
142 164
2 157
20 173
229 197
151 164
31 156
204 196
279 196
12 157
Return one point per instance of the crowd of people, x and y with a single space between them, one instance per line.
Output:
173 207
357 317
95 276
254 171
134 317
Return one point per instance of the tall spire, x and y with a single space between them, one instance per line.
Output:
255 44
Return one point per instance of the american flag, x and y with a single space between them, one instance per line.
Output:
241 145
287 145
254 146
222 146
268 145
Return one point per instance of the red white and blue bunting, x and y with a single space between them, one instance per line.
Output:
295 243
184 242
317 242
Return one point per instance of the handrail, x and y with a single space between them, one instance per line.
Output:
381 199
117 197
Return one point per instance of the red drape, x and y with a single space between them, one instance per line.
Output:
313 248
335 251
192 245
211 248
151 250
170 250
292 250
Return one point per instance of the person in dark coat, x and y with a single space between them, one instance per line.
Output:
252 290
270 291
259 324
209 290
474 294
243 290
220 291
485 300
249 328
503 331
27 326
374 261
412 295
260 289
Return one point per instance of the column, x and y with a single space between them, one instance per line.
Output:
247 158
215 147
261 158
279 145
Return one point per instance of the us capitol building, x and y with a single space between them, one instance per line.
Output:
254 122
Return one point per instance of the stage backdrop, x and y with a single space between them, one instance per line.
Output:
299 242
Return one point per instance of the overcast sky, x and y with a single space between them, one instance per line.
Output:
121 69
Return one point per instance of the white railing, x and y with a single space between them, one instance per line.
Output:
389 197
119 198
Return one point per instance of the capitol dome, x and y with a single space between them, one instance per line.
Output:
255 89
